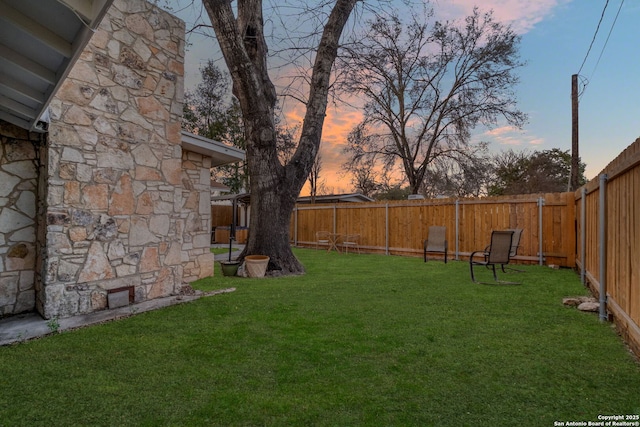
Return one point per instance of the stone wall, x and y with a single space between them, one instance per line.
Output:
199 260
114 194
19 164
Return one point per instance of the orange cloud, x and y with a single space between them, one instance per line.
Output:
339 121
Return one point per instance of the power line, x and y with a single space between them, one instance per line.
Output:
584 88
594 36
607 40
582 85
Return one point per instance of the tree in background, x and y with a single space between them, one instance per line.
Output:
365 178
537 172
211 111
468 175
274 186
394 192
426 88
206 106
316 185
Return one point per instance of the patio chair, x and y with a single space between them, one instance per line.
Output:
513 251
351 241
515 244
322 238
497 253
436 242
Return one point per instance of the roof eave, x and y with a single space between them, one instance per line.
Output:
221 154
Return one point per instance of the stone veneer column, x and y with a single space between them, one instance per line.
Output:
19 170
197 213
114 196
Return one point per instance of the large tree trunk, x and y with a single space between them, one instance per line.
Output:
274 187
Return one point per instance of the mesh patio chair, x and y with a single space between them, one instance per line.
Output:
515 244
497 253
436 242
322 238
351 241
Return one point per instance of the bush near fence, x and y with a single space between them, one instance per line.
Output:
400 227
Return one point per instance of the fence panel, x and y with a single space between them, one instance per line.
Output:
401 227
221 215
619 187
623 256
559 229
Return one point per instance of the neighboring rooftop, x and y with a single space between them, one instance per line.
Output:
337 198
245 198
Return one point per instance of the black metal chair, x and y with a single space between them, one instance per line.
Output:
497 253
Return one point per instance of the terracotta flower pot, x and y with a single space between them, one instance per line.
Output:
256 265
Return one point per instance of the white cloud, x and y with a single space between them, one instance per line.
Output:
497 132
512 136
523 15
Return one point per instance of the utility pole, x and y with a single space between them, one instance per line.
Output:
574 175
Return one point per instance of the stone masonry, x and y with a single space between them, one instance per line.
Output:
19 169
114 196
196 210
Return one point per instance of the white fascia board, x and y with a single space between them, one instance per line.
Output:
78 45
91 11
221 154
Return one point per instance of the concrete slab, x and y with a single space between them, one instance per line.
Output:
28 326
237 249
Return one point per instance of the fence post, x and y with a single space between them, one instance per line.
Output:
603 247
583 235
295 226
334 219
457 229
386 228
540 255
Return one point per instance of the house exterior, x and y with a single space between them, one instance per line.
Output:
114 198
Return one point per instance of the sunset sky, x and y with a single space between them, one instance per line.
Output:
556 35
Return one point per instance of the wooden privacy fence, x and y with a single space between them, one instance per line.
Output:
221 215
608 222
399 228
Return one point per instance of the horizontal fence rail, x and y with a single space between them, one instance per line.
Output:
400 227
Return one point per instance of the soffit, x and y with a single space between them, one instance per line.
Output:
221 154
40 40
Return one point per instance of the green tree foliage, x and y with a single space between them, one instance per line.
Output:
211 111
395 192
537 172
466 175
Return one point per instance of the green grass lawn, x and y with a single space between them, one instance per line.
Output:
359 340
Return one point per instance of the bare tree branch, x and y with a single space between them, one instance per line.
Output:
428 86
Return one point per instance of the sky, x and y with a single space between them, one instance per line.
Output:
556 36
